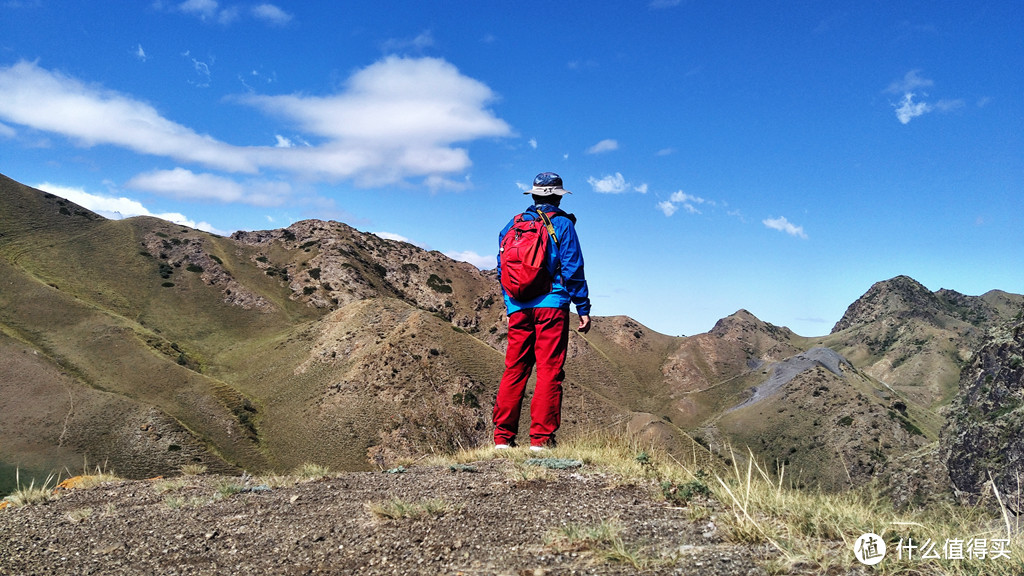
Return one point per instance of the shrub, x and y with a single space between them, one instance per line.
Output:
681 494
435 283
433 426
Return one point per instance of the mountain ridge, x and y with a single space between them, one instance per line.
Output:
320 343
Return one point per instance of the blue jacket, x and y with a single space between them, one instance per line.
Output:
565 264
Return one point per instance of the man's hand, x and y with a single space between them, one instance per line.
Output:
584 326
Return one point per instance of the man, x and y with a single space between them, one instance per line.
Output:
538 327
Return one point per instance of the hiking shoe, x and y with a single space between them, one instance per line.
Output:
539 448
501 446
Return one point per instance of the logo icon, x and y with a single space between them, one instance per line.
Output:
869 549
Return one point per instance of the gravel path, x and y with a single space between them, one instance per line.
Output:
493 517
788 369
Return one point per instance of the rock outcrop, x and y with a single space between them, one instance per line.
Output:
983 440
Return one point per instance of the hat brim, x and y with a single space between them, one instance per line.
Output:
548 191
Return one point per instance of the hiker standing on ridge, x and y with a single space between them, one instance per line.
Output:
540 267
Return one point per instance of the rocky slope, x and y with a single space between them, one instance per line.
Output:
915 340
493 517
155 343
983 440
150 345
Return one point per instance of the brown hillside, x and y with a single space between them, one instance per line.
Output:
915 340
313 343
151 345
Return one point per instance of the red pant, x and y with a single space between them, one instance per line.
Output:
535 336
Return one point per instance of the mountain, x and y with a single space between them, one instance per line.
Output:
915 340
143 345
983 439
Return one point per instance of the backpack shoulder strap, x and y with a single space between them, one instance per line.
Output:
548 225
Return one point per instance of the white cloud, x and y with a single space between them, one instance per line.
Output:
202 70
400 238
436 183
272 14
909 83
907 109
641 188
208 10
6 131
392 236
201 8
186 185
283 142
120 207
682 197
228 15
421 42
52 102
395 119
533 143
603 146
487 262
665 152
783 225
140 53
949 105
611 184
687 202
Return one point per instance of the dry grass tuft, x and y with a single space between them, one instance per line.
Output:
310 471
398 509
193 469
31 494
811 531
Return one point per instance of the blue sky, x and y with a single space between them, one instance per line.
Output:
775 156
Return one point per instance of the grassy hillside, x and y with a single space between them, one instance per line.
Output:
146 345
315 343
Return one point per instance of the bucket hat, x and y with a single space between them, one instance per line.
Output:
547 184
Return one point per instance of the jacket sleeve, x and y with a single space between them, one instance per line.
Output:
573 278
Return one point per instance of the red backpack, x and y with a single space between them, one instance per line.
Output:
524 250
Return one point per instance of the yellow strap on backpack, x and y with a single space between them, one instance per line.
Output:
548 225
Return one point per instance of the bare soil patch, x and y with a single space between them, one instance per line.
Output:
493 517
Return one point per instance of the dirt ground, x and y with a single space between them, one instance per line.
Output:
493 517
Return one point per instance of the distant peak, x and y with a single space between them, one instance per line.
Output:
742 323
740 317
899 296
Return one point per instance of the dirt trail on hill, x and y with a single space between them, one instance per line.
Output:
494 517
